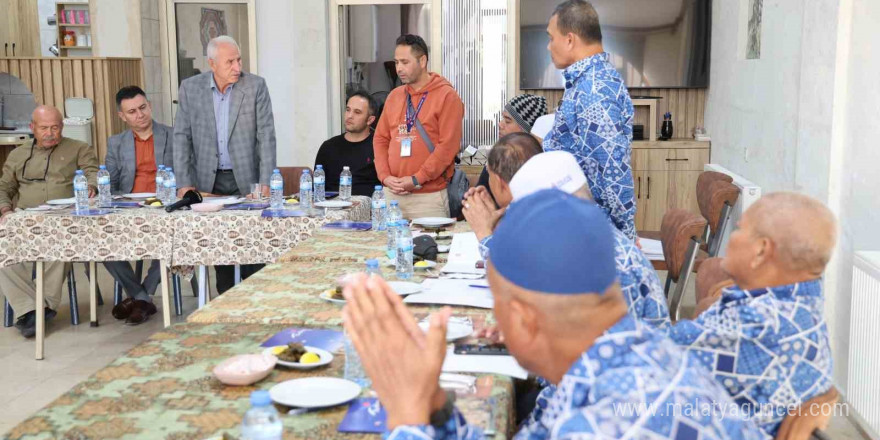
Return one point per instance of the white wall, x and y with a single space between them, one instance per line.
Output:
116 28
293 51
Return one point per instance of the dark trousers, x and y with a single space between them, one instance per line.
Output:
224 184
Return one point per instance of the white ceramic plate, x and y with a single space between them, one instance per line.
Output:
145 205
405 287
40 208
430 265
442 248
325 356
433 221
314 392
456 328
139 196
333 204
326 296
70 201
225 201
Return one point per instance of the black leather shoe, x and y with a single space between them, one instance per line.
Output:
141 312
123 309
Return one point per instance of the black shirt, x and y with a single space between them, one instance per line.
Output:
338 152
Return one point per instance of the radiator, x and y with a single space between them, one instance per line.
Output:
749 193
863 384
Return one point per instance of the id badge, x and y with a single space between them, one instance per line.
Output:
406 147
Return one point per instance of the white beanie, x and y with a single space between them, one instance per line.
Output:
553 169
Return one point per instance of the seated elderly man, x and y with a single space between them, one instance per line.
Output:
569 326
36 173
559 169
766 340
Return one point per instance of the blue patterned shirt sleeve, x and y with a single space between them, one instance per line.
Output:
456 428
768 347
595 124
484 248
639 283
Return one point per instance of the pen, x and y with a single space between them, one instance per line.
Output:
478 286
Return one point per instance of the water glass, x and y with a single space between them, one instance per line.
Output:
256 191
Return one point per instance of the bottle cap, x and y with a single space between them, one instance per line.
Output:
276 170
260 398
161 167
168 169
378 188
79 172
102 167
394 203
319 167
344 168
372 263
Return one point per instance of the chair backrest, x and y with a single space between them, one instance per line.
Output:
712 199
812 415
677 231
291 176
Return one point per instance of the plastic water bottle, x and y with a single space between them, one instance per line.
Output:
354 369
170 186
276 190
305 190
345 184
81 191
379 208
404 251
160 182
105 200
373 267
262 421
320 184
392 216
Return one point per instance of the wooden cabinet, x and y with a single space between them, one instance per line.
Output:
19 29
665 176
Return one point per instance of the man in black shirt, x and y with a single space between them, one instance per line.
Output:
354 148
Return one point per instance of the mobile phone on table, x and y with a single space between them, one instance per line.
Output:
481 349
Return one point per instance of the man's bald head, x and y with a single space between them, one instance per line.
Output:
47 123
783 238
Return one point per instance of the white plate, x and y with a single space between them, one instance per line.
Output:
325 356
456 328
405 287
225 201
40 208
314 392
70 201
442 248
333 204
326 296
430 265
139 196
145 205
433 221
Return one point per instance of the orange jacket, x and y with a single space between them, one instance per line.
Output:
441 115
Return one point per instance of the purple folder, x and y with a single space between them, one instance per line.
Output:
347 225
364 415
330 340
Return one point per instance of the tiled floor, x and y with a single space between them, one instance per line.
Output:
74 353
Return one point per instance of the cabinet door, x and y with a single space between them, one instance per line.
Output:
27 38
689 159
7 27
683 190
651 199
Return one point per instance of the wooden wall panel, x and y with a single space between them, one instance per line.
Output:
52 80
686 105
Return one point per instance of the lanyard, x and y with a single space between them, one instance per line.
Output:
410 116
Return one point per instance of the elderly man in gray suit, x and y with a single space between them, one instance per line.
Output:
224 134
133 157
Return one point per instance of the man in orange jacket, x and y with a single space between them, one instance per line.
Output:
411 172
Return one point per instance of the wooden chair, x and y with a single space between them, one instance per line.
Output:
716 197
291 176
680 234
710 280
810 419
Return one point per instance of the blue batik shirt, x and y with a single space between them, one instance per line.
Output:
641 287
768 347
634 383
594 123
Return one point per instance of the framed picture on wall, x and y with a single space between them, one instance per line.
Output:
212 24
753 42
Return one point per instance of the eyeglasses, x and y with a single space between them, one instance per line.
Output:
24 166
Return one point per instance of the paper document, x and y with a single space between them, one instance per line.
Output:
469 363
653 249
464 254
471 293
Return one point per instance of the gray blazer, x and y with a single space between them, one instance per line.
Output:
251 141
121 161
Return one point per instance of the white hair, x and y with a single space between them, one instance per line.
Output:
217 41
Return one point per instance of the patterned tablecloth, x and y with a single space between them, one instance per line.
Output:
164 388
183 237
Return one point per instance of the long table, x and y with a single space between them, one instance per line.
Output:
175 239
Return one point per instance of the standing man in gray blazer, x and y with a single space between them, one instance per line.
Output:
133 157
224 134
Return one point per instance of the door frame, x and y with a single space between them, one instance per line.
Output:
168 37
337 86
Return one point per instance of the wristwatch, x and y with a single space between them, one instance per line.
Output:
442 415
416 183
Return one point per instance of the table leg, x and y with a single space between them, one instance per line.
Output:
41 314
93 292
166 299
203 286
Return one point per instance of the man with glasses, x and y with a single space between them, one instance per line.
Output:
37 172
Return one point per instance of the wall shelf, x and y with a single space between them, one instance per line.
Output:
78 28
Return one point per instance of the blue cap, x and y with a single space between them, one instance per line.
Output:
260 398
377 187
553 242
168 169
394 203
161 167
319 167
79 171
276 170
102 167
372 262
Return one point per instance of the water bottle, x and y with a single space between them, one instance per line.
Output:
160 182
81 191
345 184
170 186
373 267
391 218
354 370
320 184
305 190
262 421
105 200
404 251
276 190
378 209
